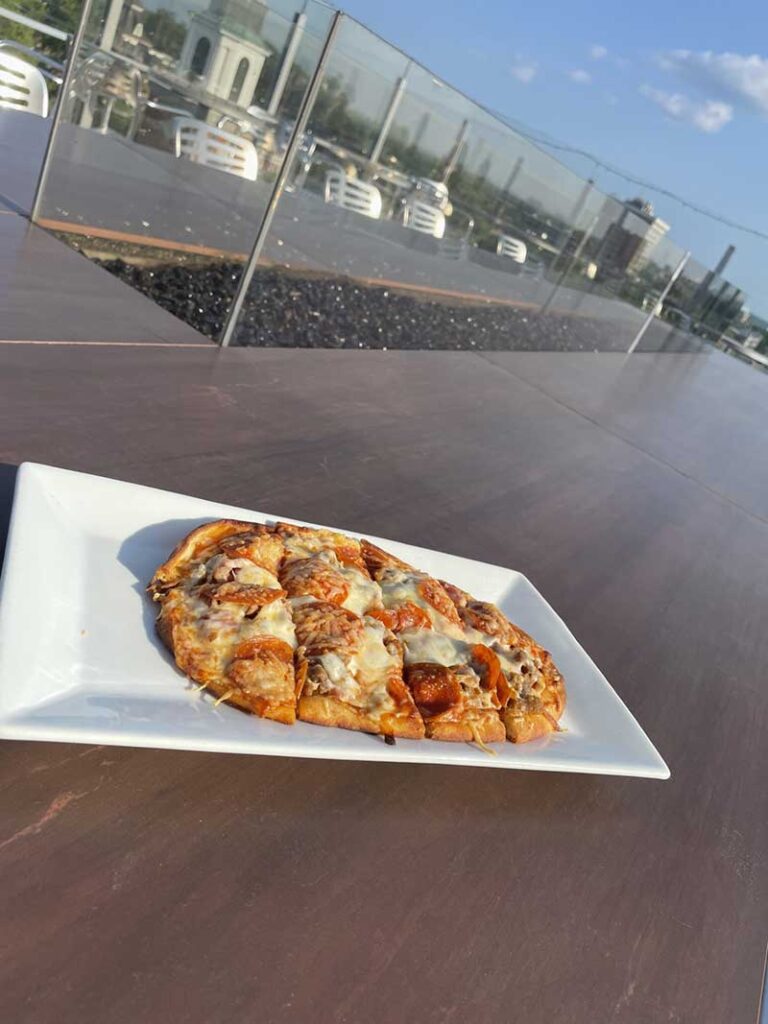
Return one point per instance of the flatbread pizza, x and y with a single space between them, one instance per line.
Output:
291 622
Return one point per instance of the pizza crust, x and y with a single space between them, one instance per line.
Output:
190 548
487 728
325 710
537 714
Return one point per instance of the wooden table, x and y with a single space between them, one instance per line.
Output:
147 886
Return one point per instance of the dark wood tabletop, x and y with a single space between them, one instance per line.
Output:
155 886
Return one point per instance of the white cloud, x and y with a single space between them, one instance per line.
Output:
712 115
743 79
708 116
580 75
524 70
597 52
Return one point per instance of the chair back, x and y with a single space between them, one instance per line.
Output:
352 194
22 86
214 147
425 218
512 247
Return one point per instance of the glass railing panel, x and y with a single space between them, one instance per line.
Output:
170 140
418 220
437 222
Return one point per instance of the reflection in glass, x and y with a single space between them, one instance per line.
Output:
178 122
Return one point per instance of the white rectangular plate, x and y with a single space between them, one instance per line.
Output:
80 662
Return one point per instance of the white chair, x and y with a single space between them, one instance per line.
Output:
352 194
22 86
213 147
425 218
513 248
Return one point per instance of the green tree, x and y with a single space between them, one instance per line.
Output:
61 14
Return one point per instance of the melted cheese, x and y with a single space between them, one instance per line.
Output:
374 661
275 620
426 645
303 545
398 587
364 593
257 576
512 659
362 678
220 567
340 675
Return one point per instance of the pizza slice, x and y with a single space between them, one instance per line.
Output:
226 619
535 689
350 671
327 566
457 683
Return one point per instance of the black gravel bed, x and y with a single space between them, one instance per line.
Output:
292 310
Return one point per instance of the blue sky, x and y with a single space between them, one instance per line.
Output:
674 93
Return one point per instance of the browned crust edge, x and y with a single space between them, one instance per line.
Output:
488 727
325 710
284 712
532 725
376 558
522 727
197 540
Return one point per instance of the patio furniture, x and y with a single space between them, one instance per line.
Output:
214 147
419 216
22 85
352 194
102 80
433 192
51 70
257 127
512 248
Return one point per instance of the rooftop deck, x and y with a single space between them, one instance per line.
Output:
633 492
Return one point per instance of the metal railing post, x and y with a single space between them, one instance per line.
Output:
111 22
518 166
277 190
458 146
36 26
546 305
61 102
297 31
649 319
389 116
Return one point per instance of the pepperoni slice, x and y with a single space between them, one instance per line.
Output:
251 594
262 648
435 688
406 616
434 595
488 667
314 577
